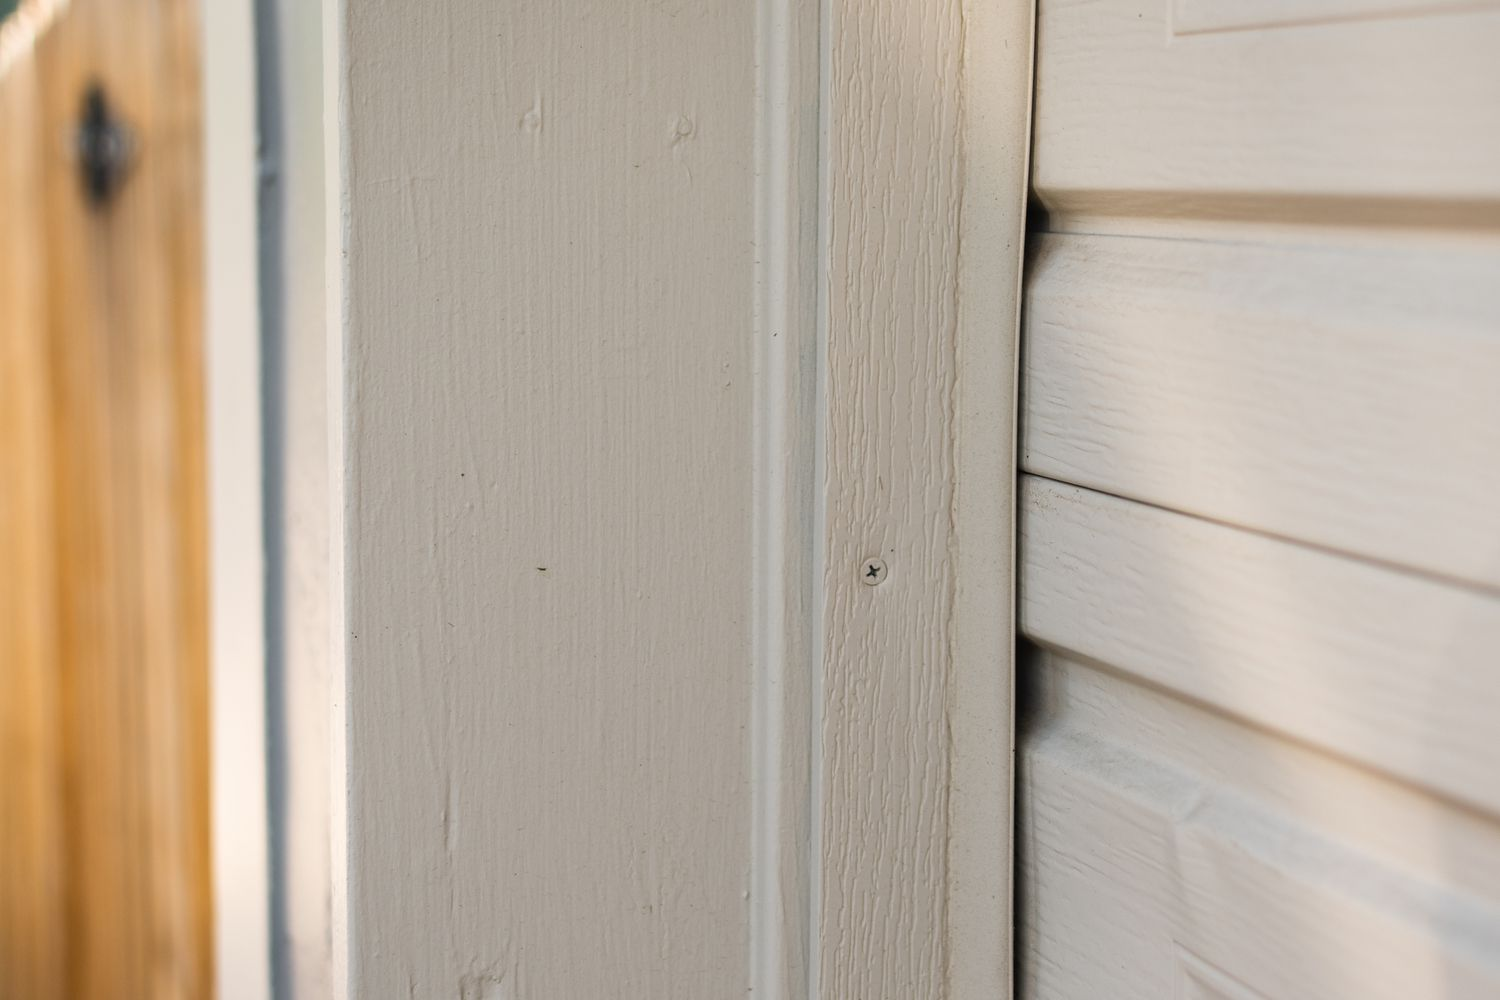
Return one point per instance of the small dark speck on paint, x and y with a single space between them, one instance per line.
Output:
541 569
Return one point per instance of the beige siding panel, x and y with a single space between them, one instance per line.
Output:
1261 342
1340 396
1174 108
1168 852
1378 666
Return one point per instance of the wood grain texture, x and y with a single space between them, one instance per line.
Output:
1387 120
1376 665
1261 331
1344 397
891 248
544 270
114 343
33 926
1169 852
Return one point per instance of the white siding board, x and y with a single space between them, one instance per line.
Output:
1167 851
1387 118
1344 397
1258 547
1376 665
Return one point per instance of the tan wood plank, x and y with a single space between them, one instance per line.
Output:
119 350
33 940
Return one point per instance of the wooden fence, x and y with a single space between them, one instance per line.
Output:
104 839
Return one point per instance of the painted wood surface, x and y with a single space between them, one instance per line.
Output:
544 254
882 772
1258 542
1377 119
633 368
784 542
1169 852
1375 665
996 108
1343 397
106 867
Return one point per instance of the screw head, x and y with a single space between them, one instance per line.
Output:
872 572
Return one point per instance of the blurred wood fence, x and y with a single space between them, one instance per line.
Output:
104 839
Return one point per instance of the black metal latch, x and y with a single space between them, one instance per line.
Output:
105 146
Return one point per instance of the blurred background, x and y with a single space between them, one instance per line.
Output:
105 851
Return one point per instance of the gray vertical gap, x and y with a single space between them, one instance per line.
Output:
270 216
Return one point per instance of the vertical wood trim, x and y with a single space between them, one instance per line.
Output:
996 110
236 529
891 208
926 115
785 487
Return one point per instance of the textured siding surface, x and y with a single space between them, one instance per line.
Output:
1260 567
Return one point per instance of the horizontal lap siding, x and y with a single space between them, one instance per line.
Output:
1260 561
